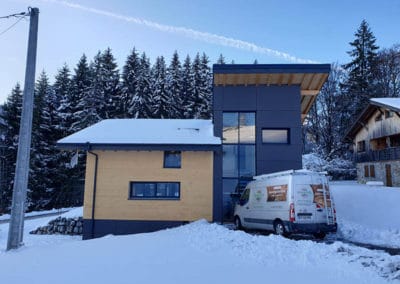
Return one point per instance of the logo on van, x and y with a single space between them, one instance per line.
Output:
277 192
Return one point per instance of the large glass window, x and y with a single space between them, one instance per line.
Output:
230 161
247 129
230 131
247 163
154 190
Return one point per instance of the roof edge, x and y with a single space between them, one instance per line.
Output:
270 68
145 147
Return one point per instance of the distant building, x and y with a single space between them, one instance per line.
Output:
143 175
376 142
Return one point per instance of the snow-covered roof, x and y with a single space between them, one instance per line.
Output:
391 103
145 132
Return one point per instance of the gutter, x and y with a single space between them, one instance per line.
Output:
94 187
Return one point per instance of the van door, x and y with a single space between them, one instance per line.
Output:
323 204
304 205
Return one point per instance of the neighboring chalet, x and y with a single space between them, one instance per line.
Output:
143 175
376 142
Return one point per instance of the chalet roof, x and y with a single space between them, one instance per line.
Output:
392 104
128 133
310 78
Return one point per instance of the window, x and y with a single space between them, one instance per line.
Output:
276 136
361 146
378 117
172 159
388 113
366 171
154 190
372 171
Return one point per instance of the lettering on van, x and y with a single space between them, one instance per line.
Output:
318 190
277 193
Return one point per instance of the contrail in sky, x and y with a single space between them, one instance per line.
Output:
197 35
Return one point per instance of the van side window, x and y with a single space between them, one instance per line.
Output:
245 196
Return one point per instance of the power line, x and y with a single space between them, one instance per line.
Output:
17 15
20 16
10 27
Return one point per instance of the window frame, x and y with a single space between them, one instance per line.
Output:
165 166
276 143
155 197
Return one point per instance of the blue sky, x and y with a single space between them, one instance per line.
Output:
288 31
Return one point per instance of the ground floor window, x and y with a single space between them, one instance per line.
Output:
154 190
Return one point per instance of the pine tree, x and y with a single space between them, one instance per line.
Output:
360 81
174 87
221 59
81 82
40 180
187 87
161 100
10 122
141 105
130 78
61 104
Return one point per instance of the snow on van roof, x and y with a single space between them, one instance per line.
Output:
146 131
289 172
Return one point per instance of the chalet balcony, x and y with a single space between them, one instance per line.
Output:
387 154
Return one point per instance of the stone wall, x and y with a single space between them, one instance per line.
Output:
62 226
380 172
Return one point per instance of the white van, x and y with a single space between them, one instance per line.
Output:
287 202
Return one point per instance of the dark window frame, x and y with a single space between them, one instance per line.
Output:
372 171
361 146
172 166
366 171
288 140
155 197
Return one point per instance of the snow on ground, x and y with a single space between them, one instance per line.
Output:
38 213
201 252
196 253
368 214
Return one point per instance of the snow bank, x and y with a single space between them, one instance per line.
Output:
196 253
367 213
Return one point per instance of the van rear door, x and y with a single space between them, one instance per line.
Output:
323 204
304 203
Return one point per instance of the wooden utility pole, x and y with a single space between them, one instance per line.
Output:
15 233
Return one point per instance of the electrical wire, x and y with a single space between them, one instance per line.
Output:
20 16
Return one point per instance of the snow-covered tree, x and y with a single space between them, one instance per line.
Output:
221 59
360 81
174 87
162 103
187 87
387 72
9 123
141 105
130 78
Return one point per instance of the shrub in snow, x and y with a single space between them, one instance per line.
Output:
337 168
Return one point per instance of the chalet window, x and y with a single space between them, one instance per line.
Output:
361 146
372 171
276 136
378 117
366 171
154 190
172 159
388 113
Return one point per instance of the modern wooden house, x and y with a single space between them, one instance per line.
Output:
147 174
376 142
143 175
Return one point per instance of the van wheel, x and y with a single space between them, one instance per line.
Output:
238 224
320 235
279 229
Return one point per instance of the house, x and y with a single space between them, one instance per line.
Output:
376 142
143 175
147 174
258 111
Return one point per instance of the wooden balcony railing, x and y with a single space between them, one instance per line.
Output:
387 154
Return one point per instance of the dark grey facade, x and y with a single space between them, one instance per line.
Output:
277 109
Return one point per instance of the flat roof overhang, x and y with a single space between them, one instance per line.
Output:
310 78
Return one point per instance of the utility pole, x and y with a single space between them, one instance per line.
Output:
15 232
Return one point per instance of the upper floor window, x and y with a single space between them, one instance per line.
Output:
378 117
172 159
388 113
238 128
276 136
361 146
